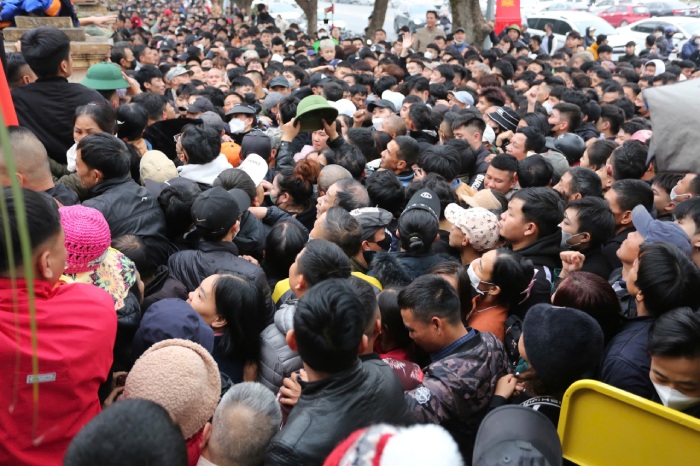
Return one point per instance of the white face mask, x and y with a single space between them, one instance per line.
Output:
675 197
378 123
428 55
474 280
548 107
236 125
674 399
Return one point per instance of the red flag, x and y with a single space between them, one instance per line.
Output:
330 9
507 13
6 106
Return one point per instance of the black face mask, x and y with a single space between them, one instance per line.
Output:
385 244
249 98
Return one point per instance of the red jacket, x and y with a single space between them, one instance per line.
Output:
76 328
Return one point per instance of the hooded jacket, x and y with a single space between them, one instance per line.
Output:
401 268
193 266
277 359
587 130
205 173
131 209
329 410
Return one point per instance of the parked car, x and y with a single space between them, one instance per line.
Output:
566 7
565 21
670 8
622 15
597 7
639 31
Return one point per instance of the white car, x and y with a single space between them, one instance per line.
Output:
639 31
289 12
565 21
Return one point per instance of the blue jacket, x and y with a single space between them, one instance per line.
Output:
627 361
688 49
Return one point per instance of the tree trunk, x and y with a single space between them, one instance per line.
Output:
310 9
378 17
467 14
243 5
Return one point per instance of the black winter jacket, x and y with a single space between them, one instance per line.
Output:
131 209
250 240
401 268
47 107
544 254
329 410
191 267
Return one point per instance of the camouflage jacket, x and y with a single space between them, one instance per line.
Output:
457 389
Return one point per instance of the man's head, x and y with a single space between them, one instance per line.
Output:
31 161
628 161
526 140
674 346
501 174
588 223
139 432
199 144
246 419
328 327
47 52
431 19
318 261
474 227
346 193
101 157
579 182
624 196
662 186
687 215
430 311
565 118
533 213
469 127
46 237
338 226
687 187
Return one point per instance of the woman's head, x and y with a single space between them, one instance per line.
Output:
283 243
663 278
294 187
594 296
132 120
93 118
504 275
392 324
417 230
232 305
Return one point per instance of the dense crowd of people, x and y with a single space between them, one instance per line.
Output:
251 246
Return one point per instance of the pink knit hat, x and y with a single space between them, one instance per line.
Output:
87 237
182 377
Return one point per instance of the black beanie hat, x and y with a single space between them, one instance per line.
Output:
562 344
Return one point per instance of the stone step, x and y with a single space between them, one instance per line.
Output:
38 21
74 34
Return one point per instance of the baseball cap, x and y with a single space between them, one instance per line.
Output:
655 231
318 79
256 142
278 81
477 224
515 434
484 198
459 30
177 71
506 118
381 103
256 167
272 99
371 219
463 97
427 200
214 120
241 108
344 107
105 77
215 211
200 105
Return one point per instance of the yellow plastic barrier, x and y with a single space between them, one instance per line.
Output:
601 425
